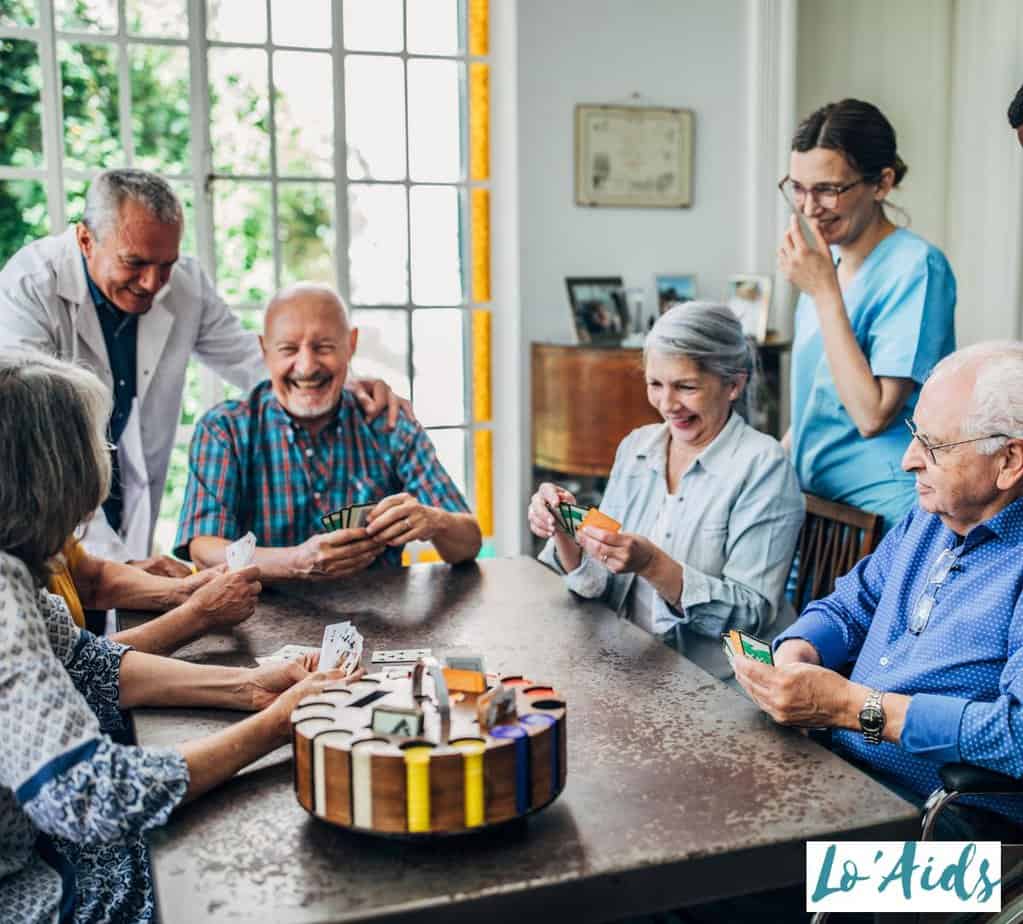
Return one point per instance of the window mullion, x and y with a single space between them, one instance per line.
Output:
408 209
211 387
53 141
272 115
340 153
124 85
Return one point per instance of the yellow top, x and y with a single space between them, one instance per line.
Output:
62 583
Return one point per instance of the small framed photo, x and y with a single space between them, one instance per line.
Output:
674 288
599 309
749 296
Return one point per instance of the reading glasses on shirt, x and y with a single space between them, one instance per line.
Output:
943 566
933 447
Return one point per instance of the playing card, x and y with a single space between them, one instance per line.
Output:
573 517
331 521
399 655
240 553
601 520
738 642
334 646
359 515
287 653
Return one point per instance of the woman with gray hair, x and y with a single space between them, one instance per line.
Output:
710 508
73 803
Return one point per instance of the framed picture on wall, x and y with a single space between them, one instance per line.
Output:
599 309
749 296
633 156
673 288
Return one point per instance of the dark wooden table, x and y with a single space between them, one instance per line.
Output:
679 790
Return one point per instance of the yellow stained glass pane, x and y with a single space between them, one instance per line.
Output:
484 467
481 407
479 121
479 27
480 199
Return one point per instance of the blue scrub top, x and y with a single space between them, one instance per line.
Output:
901 305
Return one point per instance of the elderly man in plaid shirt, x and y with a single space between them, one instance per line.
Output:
298 447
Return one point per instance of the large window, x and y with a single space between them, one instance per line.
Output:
328 140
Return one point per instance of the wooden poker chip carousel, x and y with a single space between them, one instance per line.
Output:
395 755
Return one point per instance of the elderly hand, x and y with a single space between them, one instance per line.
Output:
337 554
813 271
400 518
163 566
227 598
374 395
619 552
797 693
546 499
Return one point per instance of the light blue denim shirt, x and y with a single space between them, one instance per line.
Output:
732 525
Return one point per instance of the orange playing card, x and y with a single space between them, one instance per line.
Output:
601 520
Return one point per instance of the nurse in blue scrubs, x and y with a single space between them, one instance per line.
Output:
875 314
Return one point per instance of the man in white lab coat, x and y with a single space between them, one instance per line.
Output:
115 294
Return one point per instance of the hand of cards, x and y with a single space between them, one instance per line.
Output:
570 518
737 642
352 517
342 647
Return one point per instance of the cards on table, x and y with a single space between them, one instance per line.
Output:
735 641
399 655
341 647
354 517
287 653
569 518
241 552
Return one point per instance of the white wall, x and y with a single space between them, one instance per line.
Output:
690 55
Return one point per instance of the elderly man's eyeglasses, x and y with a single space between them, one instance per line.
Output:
943 566
933 447
824 194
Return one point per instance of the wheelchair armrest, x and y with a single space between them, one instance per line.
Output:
965 778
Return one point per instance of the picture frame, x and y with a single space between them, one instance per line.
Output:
600 311
673 288
633 156
749 296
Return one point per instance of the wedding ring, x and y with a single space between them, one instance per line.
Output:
603 558
408 524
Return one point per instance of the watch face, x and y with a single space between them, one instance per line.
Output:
872 720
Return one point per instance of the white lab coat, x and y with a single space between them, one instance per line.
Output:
45 304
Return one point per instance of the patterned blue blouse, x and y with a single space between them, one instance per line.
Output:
73 804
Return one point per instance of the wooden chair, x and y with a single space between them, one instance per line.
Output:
833 539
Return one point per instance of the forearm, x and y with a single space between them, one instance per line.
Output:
150 680
103 584
215 758
845 712
857 386
274 564
666 575
458 538
166 633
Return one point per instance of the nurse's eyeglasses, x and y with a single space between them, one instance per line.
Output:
931 448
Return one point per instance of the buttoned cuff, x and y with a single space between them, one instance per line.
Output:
822 634
931 729
696 589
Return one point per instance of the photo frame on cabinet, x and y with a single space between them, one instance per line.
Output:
600 311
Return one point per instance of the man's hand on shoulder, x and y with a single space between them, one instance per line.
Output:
375 395
337 554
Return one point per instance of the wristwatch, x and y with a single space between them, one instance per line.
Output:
872 718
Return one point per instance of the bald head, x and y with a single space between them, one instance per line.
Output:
306 297
307 345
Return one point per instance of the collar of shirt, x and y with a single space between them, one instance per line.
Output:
278 415
103 303
714 457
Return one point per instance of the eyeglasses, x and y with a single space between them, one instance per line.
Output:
931 448
943 566
824 194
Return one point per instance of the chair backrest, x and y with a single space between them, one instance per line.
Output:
833 539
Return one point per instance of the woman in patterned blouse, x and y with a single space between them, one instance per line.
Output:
74 803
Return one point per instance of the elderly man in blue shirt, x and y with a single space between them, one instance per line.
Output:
931 623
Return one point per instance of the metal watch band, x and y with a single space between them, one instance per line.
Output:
872 707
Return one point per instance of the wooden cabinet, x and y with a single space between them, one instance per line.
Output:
585 400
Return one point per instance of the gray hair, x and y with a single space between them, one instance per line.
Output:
54 464
996 405
711 336
111 188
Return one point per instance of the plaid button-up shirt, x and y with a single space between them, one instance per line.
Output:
251 467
